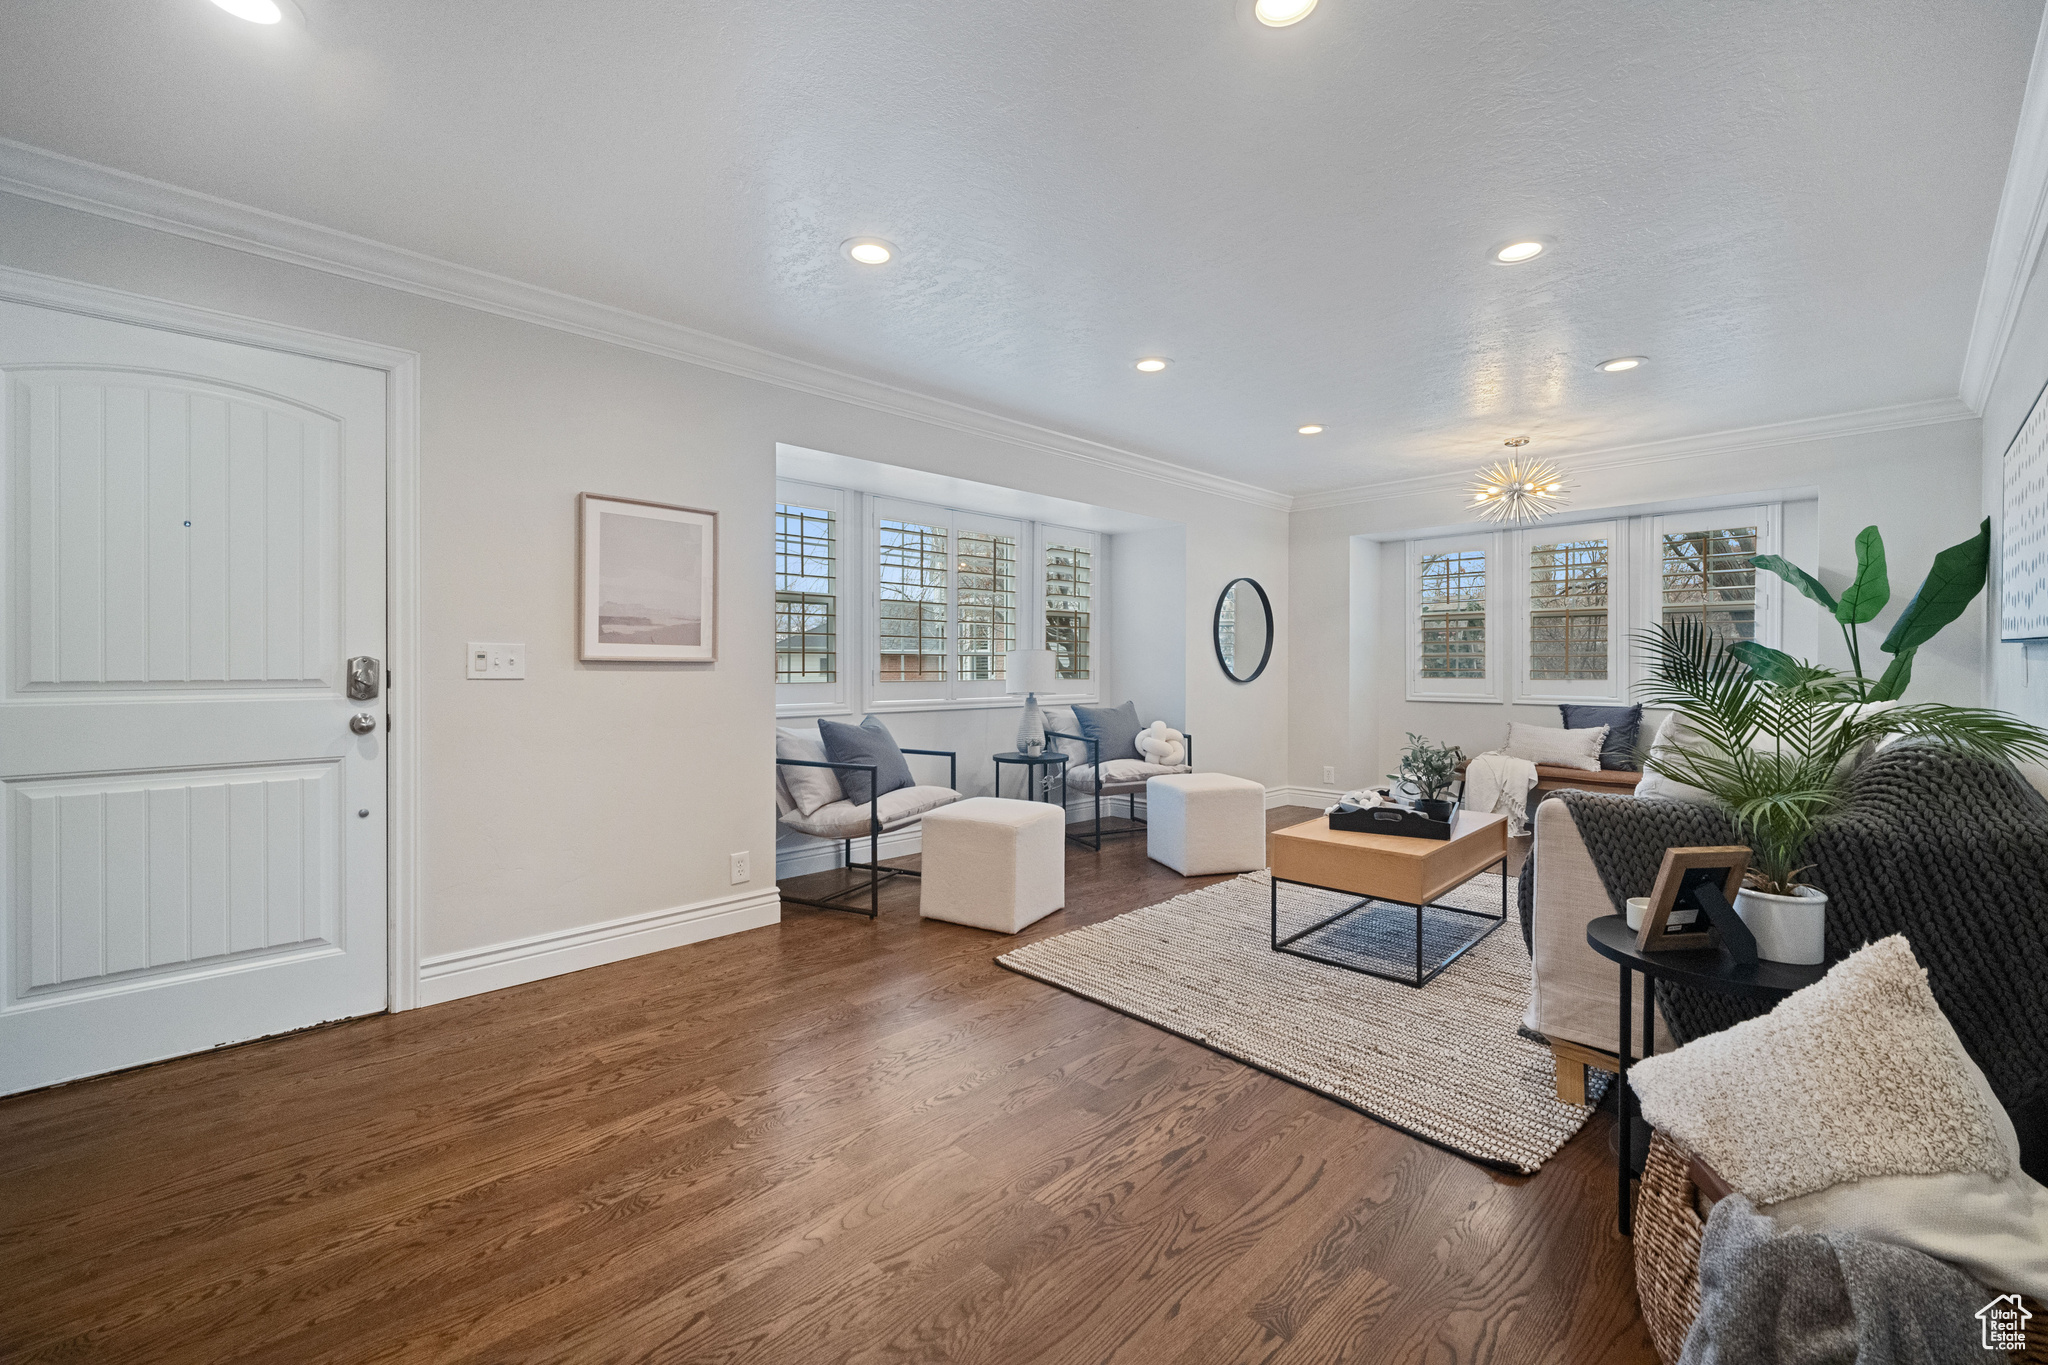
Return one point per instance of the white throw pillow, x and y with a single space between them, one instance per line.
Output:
1674 732
809 788
1555 748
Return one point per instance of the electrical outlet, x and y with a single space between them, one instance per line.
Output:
1329 776
741 872
488 660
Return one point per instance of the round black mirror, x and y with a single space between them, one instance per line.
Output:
1244 629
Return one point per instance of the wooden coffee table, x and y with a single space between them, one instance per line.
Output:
1391 870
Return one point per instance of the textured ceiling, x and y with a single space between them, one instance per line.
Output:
1786 206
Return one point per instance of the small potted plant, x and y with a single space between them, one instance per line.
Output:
1430 770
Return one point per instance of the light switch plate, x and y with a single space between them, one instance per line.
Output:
487 660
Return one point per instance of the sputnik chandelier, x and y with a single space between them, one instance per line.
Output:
1518 490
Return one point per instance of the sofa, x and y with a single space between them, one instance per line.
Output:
1950 850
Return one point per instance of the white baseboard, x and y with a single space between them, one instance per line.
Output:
473 971
1319 797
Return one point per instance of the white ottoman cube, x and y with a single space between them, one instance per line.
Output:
1201 824
994 864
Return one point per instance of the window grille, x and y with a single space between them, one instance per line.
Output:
806 603
1452 607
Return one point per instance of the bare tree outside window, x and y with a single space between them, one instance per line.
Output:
1453 614
1568 611
1707 578
988 603
1069 583
911 588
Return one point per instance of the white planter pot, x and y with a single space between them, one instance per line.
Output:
1787 928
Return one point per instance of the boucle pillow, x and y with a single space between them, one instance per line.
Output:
1858 1075
1556 748
1673 733
808 788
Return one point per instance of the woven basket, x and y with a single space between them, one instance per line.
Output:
1670 1219
1667 1235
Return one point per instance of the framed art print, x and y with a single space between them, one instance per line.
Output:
2023 531
1677 921
648 583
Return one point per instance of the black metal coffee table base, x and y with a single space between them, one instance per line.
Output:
1420 977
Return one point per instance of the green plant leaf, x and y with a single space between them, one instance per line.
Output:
1772 665
1865 598
1956 578
1806 583
1895 679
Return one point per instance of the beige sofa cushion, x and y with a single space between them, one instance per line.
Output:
1574 993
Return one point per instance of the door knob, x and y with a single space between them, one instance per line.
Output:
362 722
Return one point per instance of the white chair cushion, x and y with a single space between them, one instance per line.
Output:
1061 718
994 864
808 788
1119 772
844 820
1201 824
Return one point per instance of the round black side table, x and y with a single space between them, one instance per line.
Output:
1706 969
1037 774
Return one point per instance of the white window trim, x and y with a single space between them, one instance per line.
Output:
1769 519
1420 688
858 690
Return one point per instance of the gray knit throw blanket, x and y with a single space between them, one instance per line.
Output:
1951 851
1772 1296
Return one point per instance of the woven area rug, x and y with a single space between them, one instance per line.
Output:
1443 1063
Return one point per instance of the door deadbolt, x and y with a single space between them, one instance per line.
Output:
362 722
365 678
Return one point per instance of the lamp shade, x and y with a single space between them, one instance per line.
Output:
1029 670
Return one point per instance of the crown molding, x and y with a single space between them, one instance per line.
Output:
68 182
1931 412
2016 238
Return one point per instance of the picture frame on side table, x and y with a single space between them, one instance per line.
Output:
2023 531
647 581
1676 901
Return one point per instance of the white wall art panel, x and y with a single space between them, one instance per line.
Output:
172 533
138 875
2023 558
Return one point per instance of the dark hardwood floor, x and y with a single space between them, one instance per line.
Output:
827 1140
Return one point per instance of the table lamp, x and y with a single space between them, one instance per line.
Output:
1030 671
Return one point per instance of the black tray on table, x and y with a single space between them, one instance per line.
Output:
1396 820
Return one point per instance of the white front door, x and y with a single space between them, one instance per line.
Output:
193 539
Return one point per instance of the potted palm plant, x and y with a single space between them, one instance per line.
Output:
1775 752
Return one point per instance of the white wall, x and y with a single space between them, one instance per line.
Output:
593 792
1917 484
2018 678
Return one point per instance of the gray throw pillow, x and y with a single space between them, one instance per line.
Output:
867 742
1113 728
1624 729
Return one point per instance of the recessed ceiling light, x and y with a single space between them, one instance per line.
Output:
1310 430
255 11
1281 13
1153 364
860 250
1620 363
1514 253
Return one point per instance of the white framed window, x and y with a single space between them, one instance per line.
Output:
812 608
1453 651
1700 569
